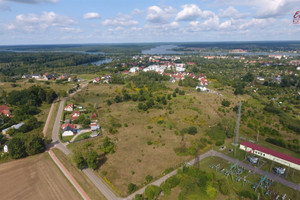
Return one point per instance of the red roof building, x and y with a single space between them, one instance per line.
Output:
75 115
271 155
94 115
68 125
4 110
69 107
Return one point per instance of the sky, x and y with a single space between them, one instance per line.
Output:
135 21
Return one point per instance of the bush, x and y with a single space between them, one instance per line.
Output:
224 186
192 130
148 178
131 188
220 142
225 103
152 191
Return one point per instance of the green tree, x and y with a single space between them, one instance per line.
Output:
148 178
92 159
192 130
211 191
152 191
37 145
16 148
79 160
132 188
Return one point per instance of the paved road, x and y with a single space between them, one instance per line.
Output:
100 185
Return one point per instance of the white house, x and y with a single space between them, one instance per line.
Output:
203 89
298 68
5 148
134 69
94 126
36 76
69 130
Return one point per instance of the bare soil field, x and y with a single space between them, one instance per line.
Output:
35 177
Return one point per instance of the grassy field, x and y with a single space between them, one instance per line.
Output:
139 129
35 177
79 176
23 84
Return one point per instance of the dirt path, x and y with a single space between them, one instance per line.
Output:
34 178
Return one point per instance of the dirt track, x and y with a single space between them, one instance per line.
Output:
35 177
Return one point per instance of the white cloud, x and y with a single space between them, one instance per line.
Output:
159 15
34 1
91 15
120 20
70 30
275 8
33 22
190 12
231 12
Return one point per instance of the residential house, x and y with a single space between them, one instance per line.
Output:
134 69
172 80
69 130
204 82
97 80
94 126
75 115
69 107
4 110
48 77
36 76
26 76
203 89
94 115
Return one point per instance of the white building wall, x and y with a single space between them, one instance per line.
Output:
270 157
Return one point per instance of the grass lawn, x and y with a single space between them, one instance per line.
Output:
67 138
79 176
83 136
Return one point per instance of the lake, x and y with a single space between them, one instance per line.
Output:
162 49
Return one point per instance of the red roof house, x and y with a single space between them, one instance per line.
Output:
94 115
69 107
75 115
4 110
68 125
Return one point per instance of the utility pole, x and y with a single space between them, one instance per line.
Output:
237 128
257 135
